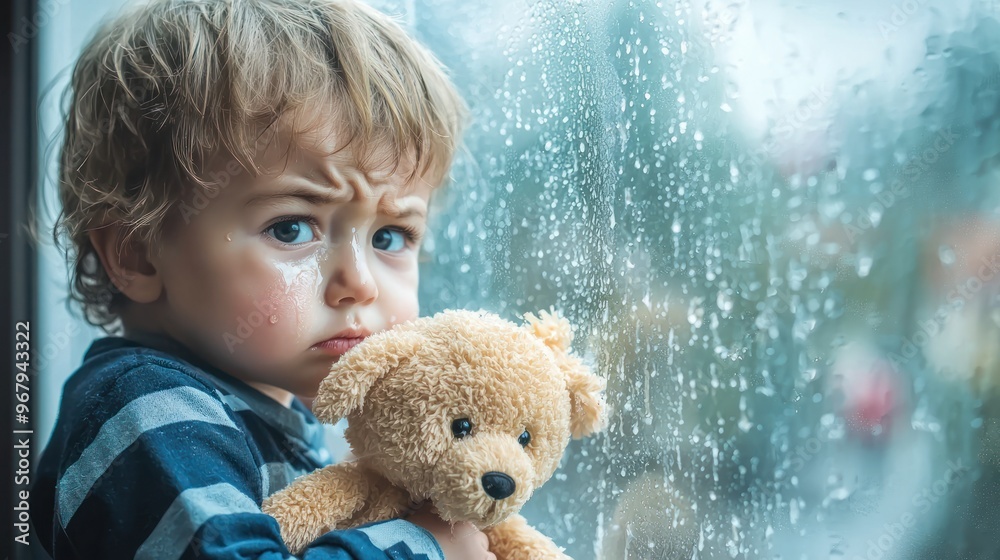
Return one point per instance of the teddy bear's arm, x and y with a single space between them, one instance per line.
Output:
385 501
514 539
317 502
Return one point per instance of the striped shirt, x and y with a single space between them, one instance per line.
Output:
158 455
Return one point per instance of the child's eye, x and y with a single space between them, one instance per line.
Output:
291 231
388 239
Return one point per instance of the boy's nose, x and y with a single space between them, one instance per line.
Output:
351 282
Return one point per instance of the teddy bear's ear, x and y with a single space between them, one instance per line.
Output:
587 408
344 389
587 404
553 329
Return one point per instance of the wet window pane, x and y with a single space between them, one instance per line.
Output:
776 228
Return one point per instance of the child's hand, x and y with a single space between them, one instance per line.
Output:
461 541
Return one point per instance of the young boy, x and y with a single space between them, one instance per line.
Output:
245 184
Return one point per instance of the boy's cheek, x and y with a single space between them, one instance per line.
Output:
401 303
274 323
267 316
298 286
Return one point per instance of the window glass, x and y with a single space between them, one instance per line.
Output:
775 226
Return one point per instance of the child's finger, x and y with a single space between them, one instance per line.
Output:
465 529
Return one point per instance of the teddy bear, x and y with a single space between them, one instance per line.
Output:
465 410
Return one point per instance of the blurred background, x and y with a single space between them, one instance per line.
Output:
776 228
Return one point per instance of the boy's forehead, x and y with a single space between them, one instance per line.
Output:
325 155
319 168
323 184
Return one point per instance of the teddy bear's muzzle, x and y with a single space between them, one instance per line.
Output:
498 485
483 478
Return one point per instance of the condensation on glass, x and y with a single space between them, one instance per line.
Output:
776 226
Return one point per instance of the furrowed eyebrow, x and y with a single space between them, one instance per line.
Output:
315 197
320 197
401 211
395 212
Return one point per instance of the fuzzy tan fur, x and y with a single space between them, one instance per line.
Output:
401 390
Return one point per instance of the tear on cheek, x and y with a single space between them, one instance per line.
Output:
300 281
295 288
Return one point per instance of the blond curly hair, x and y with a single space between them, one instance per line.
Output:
166 86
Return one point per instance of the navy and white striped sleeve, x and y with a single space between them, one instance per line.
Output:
169 474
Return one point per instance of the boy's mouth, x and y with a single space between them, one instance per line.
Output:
341 343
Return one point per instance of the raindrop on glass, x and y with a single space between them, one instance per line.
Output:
947 255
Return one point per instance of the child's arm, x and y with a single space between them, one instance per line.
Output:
327 497
161 470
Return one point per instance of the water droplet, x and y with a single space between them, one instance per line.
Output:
724 302
947 255
837 495
744 423
272 319
358 254
229 236
864 266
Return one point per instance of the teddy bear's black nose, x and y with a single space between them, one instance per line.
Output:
498 485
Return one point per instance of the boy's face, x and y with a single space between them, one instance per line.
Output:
278 275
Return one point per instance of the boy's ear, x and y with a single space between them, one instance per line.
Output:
345 388
126 263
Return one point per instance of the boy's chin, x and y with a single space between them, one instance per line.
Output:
309 388
305 395
301 378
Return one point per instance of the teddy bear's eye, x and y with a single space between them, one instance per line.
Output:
524 439
461 427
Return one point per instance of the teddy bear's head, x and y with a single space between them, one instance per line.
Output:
464 408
